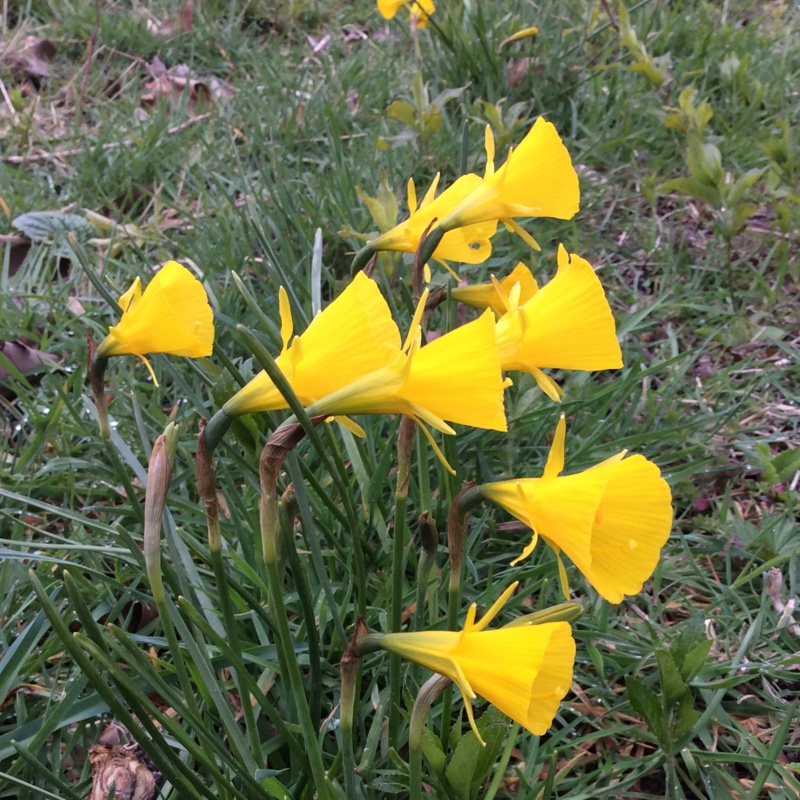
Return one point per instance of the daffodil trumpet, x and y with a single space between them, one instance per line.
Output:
536 180
611 519
171 315
566 324
454 378
524 670
352 337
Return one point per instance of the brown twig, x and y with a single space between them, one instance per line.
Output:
611 21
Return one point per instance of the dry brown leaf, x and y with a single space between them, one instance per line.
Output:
29 58
517 70
25 359
75 306
180 23
177 85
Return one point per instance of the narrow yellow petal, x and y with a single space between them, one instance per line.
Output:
547 384
430 194
351 426
515 227
488 141
132 295
555 459
412 197
285 312
522 275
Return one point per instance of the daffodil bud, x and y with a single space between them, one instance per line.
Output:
159 474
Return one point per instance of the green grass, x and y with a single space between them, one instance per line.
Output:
709 391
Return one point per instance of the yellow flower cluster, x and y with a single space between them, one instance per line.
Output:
536 180
611 520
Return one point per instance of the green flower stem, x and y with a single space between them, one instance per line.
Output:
395 623
234 656
357 550
142 730
307 609
460 510
428 693
431 242
505 757
96 370
229 623
349 670
125 479
272 458
215 429
351 787
405 446
336 470
313 544
285 644
362 258
151 715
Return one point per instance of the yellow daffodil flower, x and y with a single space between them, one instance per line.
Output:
612 519
567 324
537 180
524 670
418 10
468 245
455 378
171 315
487 295
355 335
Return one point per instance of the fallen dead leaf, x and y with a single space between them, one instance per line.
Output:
180 23
25 359
177 85
29 57
517 70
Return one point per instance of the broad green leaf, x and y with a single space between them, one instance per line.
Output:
743 184
672 685
692 188
402 111
694 660
646 704
787 463
432 750
47 226
471 762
